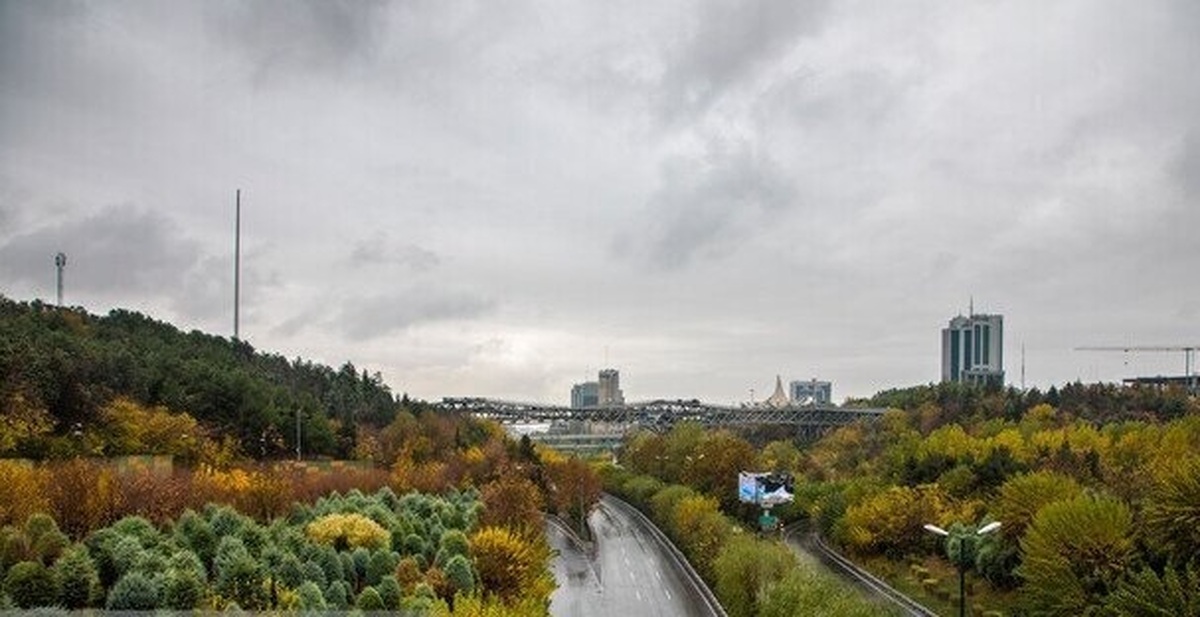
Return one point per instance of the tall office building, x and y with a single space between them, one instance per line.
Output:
973 350
610 388
811 392
585 395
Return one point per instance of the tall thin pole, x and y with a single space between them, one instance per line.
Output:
237 262
60 261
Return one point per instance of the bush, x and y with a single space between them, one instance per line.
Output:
382 563
369 600
311 598
453 542
744 569
390 592
460 575
337 596
134 592
182 589
77 577
30 585
344 531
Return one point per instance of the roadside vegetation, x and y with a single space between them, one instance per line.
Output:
686 482
1097 489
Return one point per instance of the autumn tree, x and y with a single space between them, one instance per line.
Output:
1075 553
512 501
1172 509
511 565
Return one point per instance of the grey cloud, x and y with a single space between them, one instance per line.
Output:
706 207
379 249
727 43
302 35
377 316
1186 169
120 249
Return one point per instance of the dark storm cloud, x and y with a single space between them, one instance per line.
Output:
379 249
379 316
707 207
725 43
303 35
119 250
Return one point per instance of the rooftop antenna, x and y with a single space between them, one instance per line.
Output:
60 262
1022 367
237 260
971 309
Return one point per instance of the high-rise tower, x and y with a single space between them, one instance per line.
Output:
973 349
610 388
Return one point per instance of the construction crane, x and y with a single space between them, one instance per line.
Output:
1189 357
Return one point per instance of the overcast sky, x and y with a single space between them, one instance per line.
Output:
500 198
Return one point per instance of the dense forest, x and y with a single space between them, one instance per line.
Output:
66 376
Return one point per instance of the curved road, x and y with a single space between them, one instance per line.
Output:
630 573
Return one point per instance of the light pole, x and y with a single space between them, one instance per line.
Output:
962 536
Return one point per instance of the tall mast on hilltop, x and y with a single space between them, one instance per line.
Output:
60 262
237 260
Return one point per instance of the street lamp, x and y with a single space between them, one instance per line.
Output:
961 535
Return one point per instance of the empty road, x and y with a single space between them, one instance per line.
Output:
629 575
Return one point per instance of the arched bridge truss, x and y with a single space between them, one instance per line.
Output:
661 415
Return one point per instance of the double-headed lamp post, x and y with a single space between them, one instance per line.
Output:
961 560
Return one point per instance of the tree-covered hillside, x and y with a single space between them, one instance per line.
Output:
67 376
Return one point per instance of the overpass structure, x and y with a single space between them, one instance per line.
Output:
660 415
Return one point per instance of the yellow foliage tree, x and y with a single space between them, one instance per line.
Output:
510 565
22 492
20 422
344 531
891 521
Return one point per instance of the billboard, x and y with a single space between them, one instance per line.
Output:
765 489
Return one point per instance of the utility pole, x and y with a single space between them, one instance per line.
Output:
60 262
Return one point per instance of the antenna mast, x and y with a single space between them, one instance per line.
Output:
1022 367
237 260
60 262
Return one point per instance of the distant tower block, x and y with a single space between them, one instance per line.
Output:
60 262
610 388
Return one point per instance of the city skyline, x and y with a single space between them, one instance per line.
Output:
475 199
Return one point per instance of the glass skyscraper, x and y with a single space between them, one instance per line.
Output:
973 350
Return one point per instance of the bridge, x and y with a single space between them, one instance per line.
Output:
660 415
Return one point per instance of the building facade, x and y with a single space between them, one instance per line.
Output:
973 350
811 392
585 395
610 388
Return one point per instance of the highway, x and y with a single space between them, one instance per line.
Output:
630 573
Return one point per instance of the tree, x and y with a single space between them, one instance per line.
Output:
745 568
1148 594
700 527
511 501
1172 510
76 573
369 600
1075 553
1021 497
31 585
459 575
134 592
510 565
